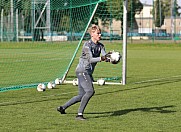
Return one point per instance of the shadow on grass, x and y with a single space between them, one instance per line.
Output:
151 84
161 109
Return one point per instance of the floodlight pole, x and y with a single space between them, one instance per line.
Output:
124 54
2 16
12 15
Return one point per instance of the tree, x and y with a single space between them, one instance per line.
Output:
159 13
5 4
167 8
134 6
114 10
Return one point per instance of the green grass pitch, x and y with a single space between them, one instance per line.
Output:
150 102
31 63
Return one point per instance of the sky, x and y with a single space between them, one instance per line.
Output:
151 1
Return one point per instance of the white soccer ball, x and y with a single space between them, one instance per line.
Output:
75 82
101 82
51 85
41 87
115 57
58 81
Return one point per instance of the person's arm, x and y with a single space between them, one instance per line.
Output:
89 55
103 51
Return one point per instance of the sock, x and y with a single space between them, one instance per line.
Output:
80 114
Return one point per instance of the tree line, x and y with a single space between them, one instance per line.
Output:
113 9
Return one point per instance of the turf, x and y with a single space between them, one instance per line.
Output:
27 64
149 102
30 62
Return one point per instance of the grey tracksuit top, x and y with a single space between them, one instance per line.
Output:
90 56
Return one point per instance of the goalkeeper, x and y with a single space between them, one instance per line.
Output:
91 52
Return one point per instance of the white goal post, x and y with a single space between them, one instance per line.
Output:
124 48
124 56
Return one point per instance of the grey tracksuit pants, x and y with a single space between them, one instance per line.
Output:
85 92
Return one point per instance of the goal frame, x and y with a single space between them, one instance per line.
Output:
124 47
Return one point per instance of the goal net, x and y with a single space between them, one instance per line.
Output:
50 35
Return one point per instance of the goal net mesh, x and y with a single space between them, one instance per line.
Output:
49 35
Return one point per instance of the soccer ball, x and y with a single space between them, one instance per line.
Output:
115 57
100 82
58 81
75 82
41 87
51 85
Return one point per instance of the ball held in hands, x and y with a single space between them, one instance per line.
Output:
114 57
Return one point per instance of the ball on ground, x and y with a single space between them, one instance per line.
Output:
75 82
58 81
51 85
41 87
101 82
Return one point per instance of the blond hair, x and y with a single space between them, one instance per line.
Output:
93 28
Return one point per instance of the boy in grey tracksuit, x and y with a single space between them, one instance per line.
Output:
91 52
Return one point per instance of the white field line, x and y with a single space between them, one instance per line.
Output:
35 60
25 100
106 83
157 79
71 82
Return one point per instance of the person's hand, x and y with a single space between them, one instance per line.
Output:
110 52
103 58
106 58
108 55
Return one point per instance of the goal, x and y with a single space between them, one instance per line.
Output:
50 35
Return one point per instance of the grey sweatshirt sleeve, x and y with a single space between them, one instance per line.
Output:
92 59
103 51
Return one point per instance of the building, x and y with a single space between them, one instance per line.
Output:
172 25
145 22
144 19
